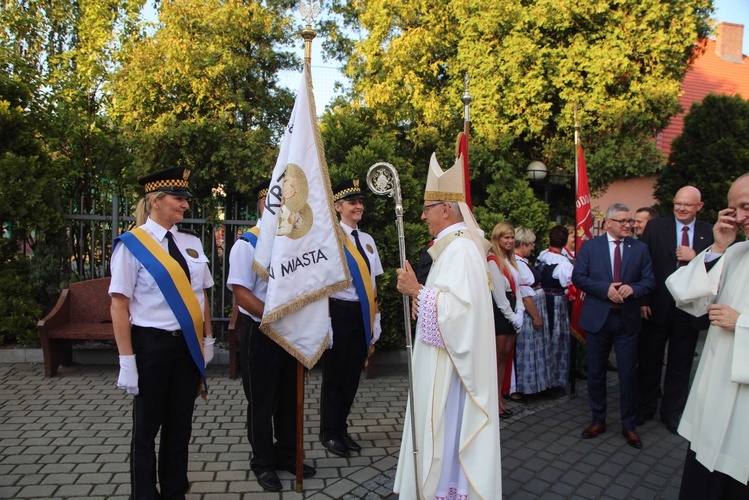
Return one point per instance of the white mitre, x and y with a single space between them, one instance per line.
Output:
449 185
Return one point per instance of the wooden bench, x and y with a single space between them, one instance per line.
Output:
81 313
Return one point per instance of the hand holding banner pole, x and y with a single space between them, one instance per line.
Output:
382 179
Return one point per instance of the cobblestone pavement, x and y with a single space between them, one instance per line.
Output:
68 437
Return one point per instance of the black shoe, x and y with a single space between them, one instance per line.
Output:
336 447
641 419
515 397
307 470
269 480
349 443
671 425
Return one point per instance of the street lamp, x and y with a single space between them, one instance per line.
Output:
536 171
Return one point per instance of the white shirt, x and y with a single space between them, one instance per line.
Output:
690 233
240 272
148 307
370 249
612 247
525 283
563 271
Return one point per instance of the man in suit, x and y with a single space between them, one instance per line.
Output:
615 272
673 242
642 216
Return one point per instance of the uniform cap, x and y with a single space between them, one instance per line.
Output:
171 181
348 190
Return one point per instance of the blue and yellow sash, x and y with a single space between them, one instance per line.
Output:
362 283
175 286
251 235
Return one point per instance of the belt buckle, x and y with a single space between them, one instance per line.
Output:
176 333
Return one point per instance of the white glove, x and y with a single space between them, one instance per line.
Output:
208 349
518 321
128 378
377 328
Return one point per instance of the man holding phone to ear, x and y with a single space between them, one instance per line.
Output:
717 412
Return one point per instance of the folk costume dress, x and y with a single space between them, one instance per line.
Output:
532 349
456 406
556 277
716 416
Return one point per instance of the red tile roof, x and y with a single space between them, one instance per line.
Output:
709 74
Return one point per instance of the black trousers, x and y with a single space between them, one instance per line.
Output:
269 381
681 337
342 367
698 483
168 384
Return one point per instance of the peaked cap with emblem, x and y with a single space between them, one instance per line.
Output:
171 181
348 190
261 189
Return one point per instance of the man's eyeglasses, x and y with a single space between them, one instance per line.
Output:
624 222
427 207
683 205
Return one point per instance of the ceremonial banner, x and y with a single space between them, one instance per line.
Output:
462 149
583 230
299 251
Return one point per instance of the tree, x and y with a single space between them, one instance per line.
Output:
711 152
203 92
530 62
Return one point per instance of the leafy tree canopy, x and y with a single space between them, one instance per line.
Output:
530 62
203 91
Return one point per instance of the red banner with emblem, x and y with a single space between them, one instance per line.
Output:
583 230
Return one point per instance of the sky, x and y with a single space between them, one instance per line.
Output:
325 74
737 12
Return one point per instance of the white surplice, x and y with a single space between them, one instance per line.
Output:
455 386
716 416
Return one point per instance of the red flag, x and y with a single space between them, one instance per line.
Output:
583 212
462 149
583 231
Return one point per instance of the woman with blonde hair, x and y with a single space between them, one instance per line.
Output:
508 311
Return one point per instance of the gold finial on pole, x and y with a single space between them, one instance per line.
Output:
310 9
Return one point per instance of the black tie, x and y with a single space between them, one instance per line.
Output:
355 234
176 254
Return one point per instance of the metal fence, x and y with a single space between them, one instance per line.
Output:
90 237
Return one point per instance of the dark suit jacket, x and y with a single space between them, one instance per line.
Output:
660 237
593 275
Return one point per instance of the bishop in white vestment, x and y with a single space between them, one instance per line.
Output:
455 393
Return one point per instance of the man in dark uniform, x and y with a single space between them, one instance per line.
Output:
268 371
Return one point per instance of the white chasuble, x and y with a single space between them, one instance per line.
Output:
455 386
716 416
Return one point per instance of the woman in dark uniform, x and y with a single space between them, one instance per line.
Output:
161 319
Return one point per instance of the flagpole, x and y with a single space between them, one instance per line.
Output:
382 179
309 11
467 131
